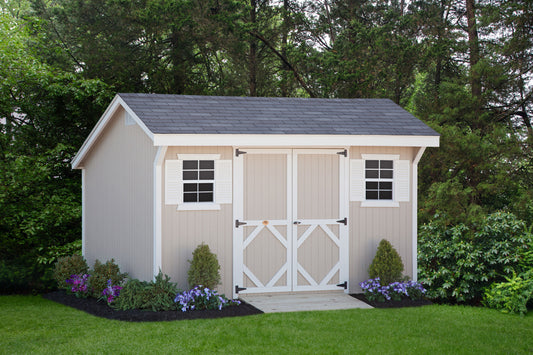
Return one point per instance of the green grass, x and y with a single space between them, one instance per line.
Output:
30 324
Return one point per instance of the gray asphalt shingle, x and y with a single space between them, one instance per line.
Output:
185 114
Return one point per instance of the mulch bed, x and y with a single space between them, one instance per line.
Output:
406 302
101 309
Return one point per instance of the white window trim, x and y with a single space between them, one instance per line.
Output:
199 206
382 203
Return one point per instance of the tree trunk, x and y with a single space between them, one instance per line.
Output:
473 44
252 55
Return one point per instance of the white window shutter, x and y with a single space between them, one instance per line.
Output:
173 182
223 181
401 180
357 180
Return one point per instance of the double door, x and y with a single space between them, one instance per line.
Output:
291 227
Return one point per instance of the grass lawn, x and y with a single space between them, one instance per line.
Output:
31 324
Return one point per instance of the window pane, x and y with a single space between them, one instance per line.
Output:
385 195
371 195
372 174
190 187
385 185
206 197
386 174
190 197
190 175
190 164
207 175
385 164
371 164
372 185
207 164
206 187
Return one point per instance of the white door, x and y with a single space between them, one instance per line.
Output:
290 210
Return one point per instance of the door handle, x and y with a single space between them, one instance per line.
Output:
297 222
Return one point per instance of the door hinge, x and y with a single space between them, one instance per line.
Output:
343 285
238 289
343 221
238 223
344 152
239 152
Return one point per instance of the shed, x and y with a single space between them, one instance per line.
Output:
292 194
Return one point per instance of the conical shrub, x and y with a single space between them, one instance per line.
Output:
204 269
387 264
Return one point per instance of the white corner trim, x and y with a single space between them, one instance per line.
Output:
158 206
414 227
198 156
294 140
379 203
198 206
100 126
83 213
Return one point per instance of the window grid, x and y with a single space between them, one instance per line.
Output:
379 179
198 181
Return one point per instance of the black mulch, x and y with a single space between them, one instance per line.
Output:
406 302
101 309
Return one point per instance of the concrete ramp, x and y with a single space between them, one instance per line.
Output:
298 302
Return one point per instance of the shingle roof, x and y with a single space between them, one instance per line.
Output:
183 114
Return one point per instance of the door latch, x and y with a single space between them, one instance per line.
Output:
297 222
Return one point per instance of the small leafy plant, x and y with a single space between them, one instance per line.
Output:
204 269
387 264
101 273
200 298
512 296
68 266
395 291
79 285
110 292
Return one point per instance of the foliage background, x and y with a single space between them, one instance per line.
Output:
462 66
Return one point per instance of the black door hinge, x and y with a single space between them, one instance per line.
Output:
239 152
344 285
237 223
344 152
238 289
343 221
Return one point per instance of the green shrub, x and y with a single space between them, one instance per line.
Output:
67 266
387 264
204 269
14 278
512 296
157 295
101 273
457 263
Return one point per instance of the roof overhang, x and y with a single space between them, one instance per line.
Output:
291 140
100 126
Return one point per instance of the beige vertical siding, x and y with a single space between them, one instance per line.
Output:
119 198
183 231
368 225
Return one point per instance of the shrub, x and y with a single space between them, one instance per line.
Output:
395 291
512 296
157 295
78 285
202 298
67 266
457 263
204 269
387 264
101 274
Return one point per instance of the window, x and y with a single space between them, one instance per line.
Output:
379 179
198 180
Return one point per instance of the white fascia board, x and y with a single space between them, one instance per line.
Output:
292 140
101 124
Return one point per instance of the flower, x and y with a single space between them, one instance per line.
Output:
396 290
